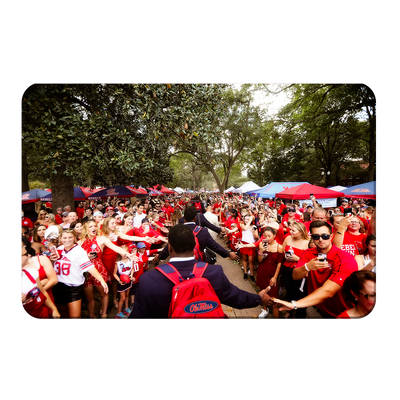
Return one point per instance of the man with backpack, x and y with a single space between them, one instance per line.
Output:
177 290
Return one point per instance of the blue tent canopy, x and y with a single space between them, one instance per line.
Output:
33 195
363 191
272 188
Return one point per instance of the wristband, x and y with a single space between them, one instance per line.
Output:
305 266
294 304
340 233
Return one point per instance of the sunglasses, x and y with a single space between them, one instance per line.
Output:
369 296
324 236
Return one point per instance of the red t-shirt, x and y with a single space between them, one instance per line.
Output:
58 219
354 244
342 265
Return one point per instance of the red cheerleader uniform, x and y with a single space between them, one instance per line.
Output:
90 246
109 258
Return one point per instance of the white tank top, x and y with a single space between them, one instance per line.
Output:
247 236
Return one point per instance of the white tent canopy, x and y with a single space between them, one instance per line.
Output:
178 190
246 187
337 188
229 189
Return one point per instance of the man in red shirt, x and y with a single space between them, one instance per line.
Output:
318 214
58 216
291 214
324 278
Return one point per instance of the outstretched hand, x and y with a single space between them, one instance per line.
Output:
266 300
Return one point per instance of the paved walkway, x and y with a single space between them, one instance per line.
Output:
235 276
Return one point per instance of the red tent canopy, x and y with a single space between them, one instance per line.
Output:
304 191
166 190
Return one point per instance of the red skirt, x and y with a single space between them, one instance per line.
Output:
249 251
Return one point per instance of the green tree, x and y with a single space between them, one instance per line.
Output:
110 134
338 122
237 128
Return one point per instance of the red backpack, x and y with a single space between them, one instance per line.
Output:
193 297
198 254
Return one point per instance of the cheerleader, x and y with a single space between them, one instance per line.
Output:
123 275
70 263
95 246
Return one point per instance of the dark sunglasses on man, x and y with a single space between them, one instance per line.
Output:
324 236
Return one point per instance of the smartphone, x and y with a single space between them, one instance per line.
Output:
93 254
321 257
348 212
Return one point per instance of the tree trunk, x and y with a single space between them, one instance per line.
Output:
25 173
62 190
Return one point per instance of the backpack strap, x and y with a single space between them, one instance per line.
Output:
199 269
171 273
196 230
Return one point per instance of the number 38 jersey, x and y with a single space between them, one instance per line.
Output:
71 265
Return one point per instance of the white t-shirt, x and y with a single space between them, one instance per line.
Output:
124 269
137 220
71 265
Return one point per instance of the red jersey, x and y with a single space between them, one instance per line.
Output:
354 244
341 265
58 219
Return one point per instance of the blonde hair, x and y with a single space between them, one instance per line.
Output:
85 230
105 230
301 228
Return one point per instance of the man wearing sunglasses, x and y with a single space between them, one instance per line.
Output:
324 278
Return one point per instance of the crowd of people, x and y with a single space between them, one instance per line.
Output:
303 259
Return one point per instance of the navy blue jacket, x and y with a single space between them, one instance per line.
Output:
201 220
153 296
205 240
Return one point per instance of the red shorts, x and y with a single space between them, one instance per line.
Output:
249 251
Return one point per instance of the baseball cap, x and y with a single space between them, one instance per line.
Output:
140 245
109 208
51 232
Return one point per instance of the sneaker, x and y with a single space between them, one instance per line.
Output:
248 272
120 315
263 314
245 276
127 311
252 278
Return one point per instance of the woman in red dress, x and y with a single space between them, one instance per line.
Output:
270 257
